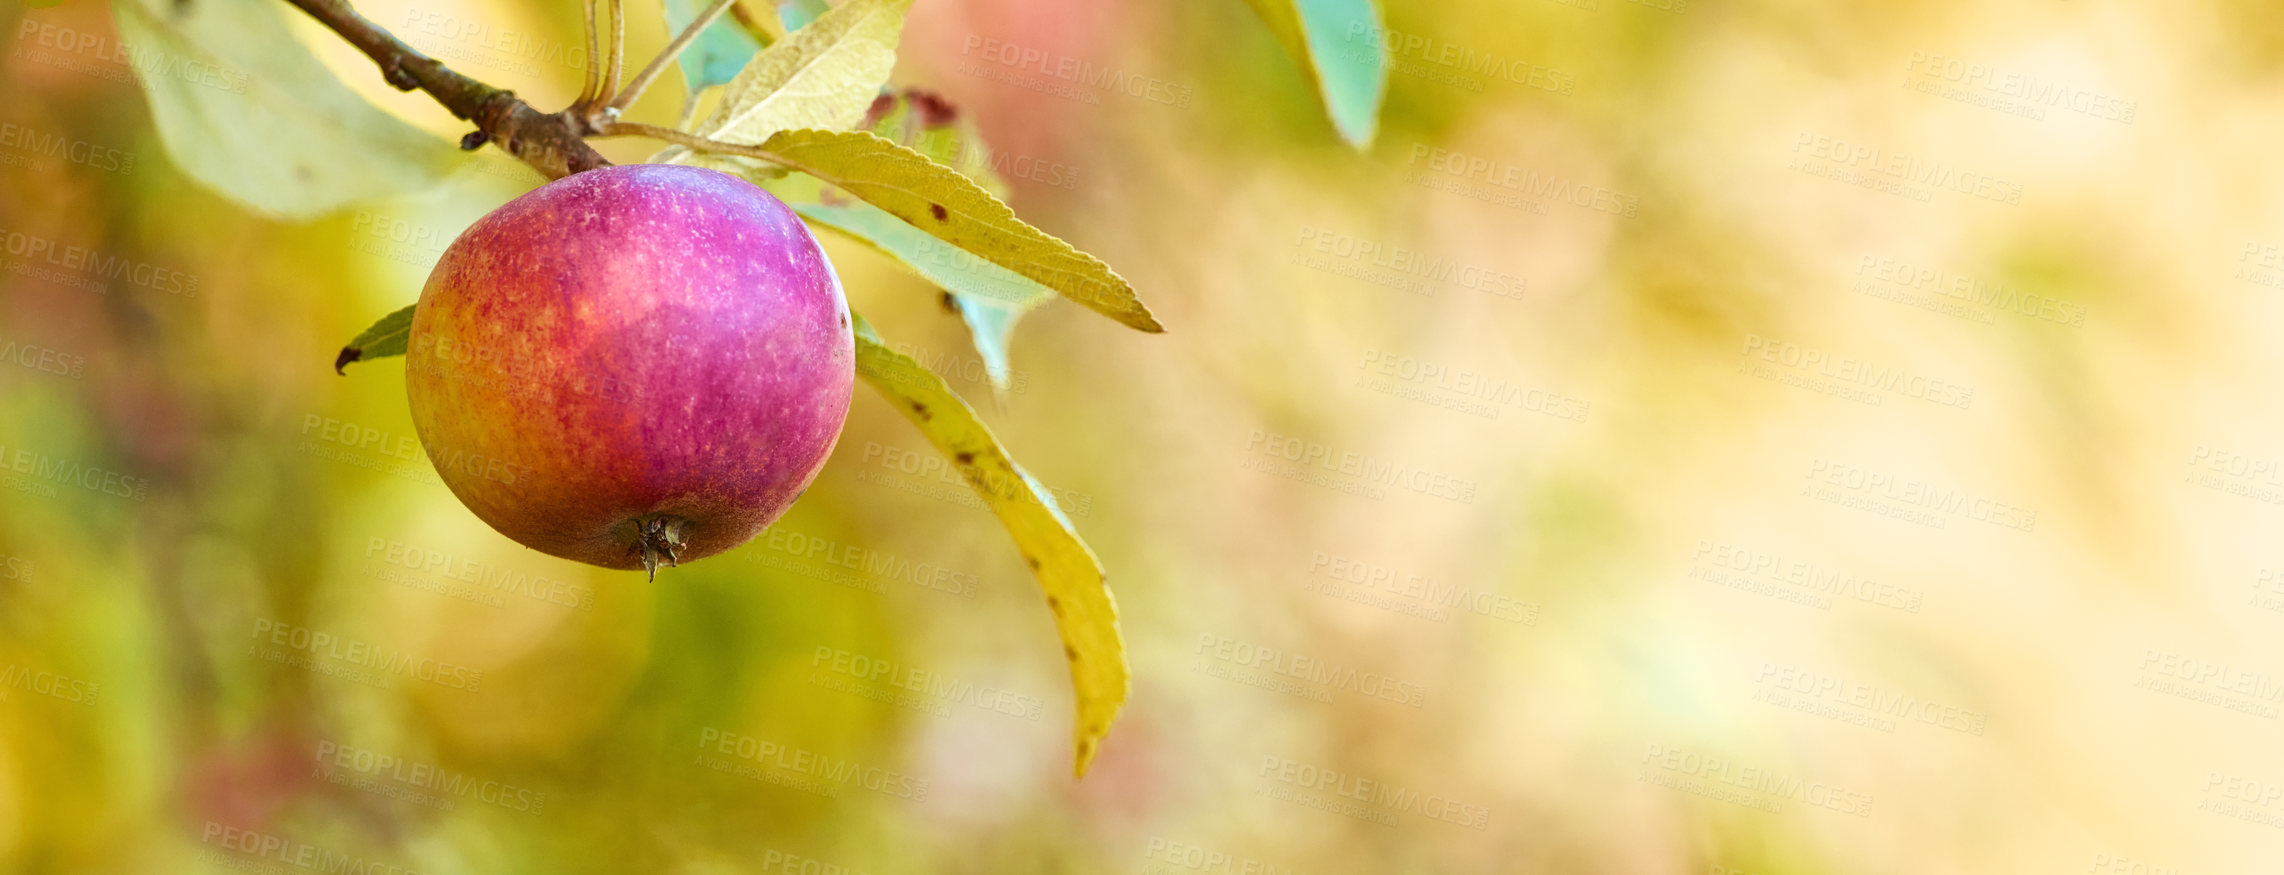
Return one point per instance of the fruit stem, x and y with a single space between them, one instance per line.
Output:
659 535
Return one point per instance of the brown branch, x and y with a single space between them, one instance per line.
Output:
552 143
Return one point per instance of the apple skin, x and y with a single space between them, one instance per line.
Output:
631 345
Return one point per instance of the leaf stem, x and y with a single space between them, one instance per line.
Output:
618 44
594 56
552 143
673 50
689 140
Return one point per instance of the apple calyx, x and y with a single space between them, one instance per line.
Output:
658 535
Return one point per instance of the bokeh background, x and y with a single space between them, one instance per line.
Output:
1695 437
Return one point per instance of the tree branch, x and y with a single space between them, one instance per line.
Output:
553 143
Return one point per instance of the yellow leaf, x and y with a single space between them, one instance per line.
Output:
938 200
1085 613
990 298
822 76
924 122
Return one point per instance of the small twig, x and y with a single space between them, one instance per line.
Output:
673 50
688 140
552 143
618 45
689 110
594 59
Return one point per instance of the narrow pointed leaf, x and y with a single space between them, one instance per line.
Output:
384 339
991 297
1328 39
938 200
991 324
924 122
1085 613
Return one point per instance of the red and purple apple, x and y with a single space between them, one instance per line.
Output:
632 365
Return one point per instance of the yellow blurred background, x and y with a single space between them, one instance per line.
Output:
1695 437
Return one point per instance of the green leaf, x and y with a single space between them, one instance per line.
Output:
953 208
719 52
821 76
247 111
1350 73
991 325
796 14
1068 572
384 339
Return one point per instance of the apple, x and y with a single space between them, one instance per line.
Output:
632 364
